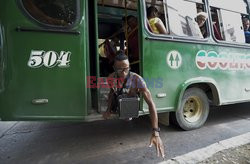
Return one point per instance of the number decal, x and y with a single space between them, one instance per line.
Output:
36 59
49 59
64 59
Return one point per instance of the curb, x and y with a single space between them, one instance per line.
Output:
206 152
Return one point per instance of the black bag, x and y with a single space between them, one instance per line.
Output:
126 106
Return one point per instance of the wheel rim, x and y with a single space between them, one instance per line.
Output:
192 109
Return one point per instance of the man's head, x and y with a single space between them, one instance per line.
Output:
201 18
246 24
121 65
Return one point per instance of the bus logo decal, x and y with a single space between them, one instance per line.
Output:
223 61
49 59
174 59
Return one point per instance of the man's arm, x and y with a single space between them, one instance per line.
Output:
155 139
151 105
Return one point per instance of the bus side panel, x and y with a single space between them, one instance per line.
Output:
232 80
43 92
155 69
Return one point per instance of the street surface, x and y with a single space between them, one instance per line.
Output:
114 141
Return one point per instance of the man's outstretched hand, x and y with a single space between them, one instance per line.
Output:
156 140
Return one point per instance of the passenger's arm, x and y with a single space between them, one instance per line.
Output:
160 26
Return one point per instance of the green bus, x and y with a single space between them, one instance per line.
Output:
49 50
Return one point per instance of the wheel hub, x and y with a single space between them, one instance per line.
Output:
192 109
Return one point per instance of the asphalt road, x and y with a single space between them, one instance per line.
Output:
114 141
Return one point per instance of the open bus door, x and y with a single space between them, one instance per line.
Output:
111 37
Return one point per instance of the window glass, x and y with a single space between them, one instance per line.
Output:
182 17
187 18
228 25
232 28
57 12
156 17
238 6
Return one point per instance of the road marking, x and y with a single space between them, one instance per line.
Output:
206 152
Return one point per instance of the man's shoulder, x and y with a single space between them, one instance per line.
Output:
133 74
138 80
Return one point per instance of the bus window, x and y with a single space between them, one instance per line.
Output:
56 13
156 17
215 23
232 26
227 20
186 18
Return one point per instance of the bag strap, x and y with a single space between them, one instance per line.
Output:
119 91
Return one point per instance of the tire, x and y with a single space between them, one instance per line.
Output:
194 109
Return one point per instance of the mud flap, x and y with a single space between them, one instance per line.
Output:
163 118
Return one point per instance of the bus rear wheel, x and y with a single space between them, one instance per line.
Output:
194 109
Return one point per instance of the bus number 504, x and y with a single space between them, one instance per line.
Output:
49 59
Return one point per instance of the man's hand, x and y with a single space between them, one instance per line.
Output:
156 140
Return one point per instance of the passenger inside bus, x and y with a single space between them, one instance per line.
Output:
107 49
246 24
155 22
201 20
215 23
132 44
122 26
217 33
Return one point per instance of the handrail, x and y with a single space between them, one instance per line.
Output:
25 29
